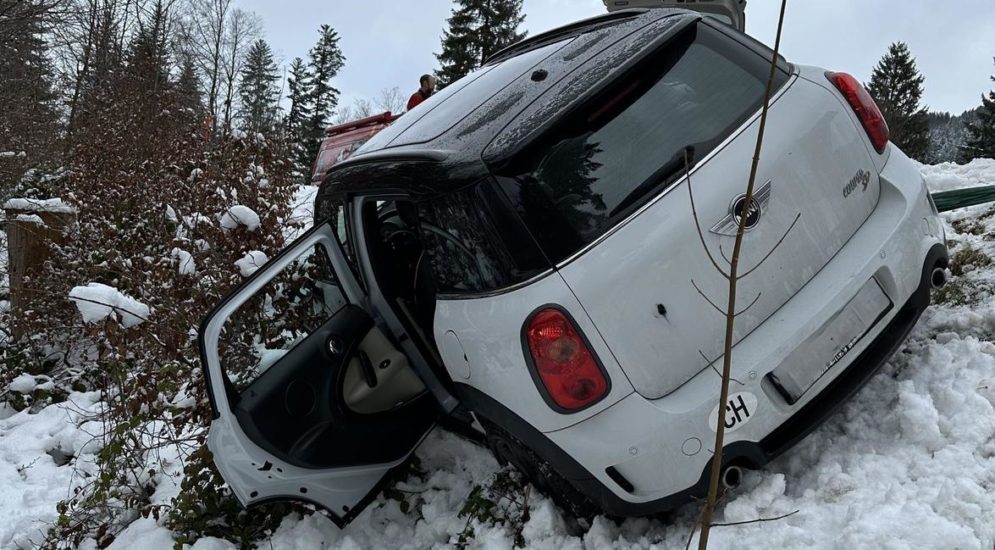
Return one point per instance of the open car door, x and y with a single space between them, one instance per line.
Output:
313 401
730 12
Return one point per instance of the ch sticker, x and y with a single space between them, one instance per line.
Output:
739 409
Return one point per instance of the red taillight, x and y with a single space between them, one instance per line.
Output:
867 111
564 365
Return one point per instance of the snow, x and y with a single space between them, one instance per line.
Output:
251 262
30 218
950 176
240 215
24 383
908 462
31 483
36 205
97 302
302 217
185 262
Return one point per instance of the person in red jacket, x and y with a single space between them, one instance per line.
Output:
423 93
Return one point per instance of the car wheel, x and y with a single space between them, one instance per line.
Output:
509 449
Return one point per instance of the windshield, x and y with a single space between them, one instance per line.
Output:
629 143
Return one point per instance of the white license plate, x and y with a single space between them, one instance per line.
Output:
832 343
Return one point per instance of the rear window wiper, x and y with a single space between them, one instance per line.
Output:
666 172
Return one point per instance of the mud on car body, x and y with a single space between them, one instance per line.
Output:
515 260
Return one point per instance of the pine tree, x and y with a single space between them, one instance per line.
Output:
258 91
189 97
981 133
299 94
326 59
897 87
28 113
477 30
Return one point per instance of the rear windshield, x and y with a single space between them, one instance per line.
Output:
627 145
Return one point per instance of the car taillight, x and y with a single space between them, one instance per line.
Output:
563 364
867 111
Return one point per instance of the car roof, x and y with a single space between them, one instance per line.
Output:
492 112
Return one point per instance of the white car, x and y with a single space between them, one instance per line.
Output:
517 261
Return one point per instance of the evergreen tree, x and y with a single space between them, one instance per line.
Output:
477 30
897 87
299 94
28 115
981 133
189 97
258 91
325 61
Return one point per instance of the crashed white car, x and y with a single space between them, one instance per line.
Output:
517 261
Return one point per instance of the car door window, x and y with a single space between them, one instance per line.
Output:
283 313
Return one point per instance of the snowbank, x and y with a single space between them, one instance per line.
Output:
950 176
97 302
302 217
35 205
240 215
251 262
31 482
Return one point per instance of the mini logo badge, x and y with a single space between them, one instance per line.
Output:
861 179
729 225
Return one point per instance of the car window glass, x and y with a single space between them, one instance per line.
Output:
468 246
279 316
337 217
628 144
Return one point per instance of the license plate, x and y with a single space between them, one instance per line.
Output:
832 343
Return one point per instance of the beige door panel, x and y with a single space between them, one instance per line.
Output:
396 384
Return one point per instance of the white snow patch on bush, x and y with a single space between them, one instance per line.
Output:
251 262
97 302
37 205
240 215
24 383
186 264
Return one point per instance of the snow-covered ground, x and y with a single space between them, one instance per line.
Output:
908 463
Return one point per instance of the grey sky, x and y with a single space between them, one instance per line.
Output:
391 42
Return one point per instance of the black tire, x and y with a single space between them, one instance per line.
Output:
509 449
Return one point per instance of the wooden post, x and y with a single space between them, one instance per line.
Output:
31 227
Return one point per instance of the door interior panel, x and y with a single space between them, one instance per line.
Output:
380 379
294 409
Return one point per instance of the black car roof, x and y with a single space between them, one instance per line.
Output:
489 114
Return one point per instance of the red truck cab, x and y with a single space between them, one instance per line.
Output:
341 141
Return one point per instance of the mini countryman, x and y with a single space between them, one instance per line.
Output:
517 260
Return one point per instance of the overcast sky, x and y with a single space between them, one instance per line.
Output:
391 43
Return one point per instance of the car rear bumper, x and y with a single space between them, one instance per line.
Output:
645 456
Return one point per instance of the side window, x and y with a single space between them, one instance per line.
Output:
335 211
470 246
280 315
